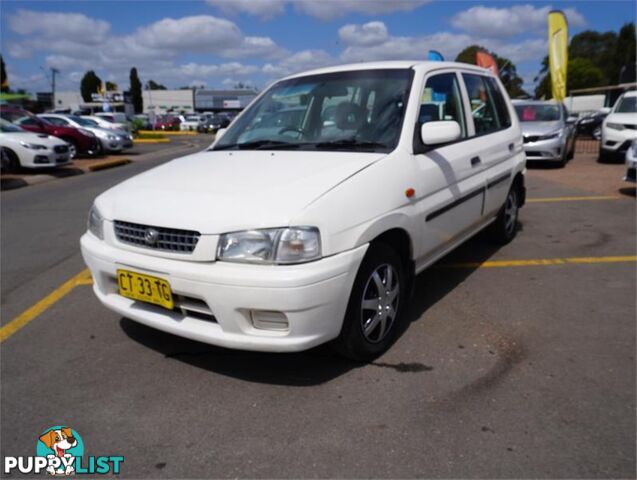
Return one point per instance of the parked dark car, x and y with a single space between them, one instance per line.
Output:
215 123
590 125
81 141
167 122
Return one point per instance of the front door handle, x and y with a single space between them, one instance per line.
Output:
511 147
475 161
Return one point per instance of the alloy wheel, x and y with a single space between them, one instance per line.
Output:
380 303
511 213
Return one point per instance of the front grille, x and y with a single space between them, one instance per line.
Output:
158 238
530 138
630 127
61 149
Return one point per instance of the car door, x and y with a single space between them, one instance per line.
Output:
449 176
496 142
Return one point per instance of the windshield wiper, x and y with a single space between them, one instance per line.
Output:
350 142
258 145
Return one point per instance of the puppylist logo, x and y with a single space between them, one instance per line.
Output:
60 452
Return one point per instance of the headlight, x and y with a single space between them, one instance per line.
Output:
271 246
548 136
112 138
615 126
95 223
33 146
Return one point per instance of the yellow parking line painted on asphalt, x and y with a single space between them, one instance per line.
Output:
572 199
32 312
540 262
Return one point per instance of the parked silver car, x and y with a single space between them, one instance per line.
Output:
110 140
547 132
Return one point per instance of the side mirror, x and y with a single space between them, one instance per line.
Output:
435 133
571 120
605 110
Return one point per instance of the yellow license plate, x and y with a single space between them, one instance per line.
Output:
145 288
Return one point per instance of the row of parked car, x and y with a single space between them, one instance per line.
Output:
206 122
54 139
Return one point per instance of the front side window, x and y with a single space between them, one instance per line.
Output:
498 99
441 100
358 110
483 110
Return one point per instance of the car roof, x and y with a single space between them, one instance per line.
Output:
392 64
630 93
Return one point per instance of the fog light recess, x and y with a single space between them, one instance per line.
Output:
268 320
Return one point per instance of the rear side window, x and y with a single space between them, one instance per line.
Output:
500 103
483 105
441 100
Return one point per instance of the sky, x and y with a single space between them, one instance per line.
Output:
218 43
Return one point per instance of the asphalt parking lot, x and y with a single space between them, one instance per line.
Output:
517 361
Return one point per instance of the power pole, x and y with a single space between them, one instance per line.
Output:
54 71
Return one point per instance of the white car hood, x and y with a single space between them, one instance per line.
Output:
30 137
623 118
224 191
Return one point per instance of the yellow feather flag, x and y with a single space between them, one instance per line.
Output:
558 53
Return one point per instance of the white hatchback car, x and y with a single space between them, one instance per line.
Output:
20 148
314 231
619 128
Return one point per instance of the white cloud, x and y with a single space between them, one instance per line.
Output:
510 21
203 33
328 10
321 9
448 43
298 62
371 33
67 26
260 8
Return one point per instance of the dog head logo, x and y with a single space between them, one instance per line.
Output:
63 443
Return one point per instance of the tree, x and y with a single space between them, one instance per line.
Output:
625 57
152 85
111 87
89 85
508 72
4 80
136 91
605 53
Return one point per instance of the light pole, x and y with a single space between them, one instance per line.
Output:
54 72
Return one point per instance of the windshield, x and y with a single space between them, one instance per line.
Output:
85 122
627 105
6 127
357 110
538 113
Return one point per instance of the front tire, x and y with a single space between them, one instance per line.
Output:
375 306
505 226
10 160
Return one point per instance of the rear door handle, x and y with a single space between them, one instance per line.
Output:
475 161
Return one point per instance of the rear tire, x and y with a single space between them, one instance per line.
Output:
375 305
505 226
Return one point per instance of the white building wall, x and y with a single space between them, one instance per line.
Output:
72 100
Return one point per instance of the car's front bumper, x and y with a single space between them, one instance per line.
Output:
617 141
111 145
220 303
551 149
43 159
